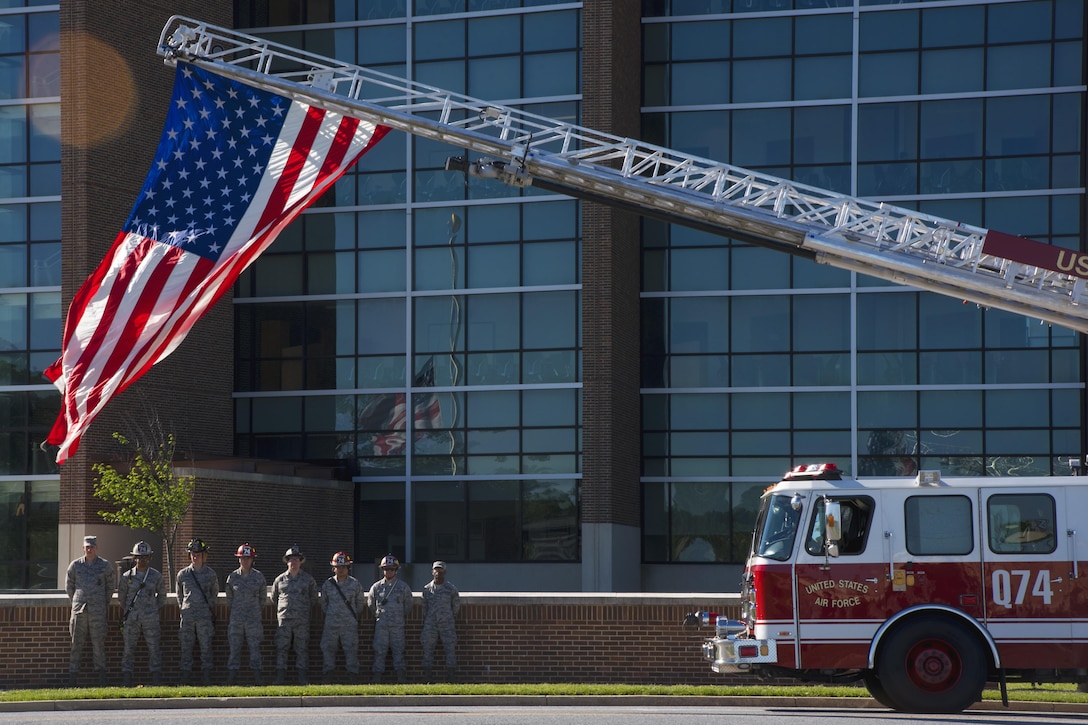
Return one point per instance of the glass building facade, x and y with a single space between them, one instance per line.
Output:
424 335
754 362
30 253
419 332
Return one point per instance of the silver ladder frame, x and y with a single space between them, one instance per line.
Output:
519 148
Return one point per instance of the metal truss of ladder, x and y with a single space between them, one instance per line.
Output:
520 148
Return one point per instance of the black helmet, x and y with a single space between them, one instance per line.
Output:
197 546
294 550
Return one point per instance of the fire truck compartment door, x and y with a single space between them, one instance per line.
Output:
1027 554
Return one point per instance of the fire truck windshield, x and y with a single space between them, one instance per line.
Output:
776 528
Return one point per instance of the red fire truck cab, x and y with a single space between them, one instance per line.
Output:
924 589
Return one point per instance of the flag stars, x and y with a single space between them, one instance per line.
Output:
216 145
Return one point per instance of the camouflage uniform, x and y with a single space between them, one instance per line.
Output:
390 602
141 595
246 597
441 602
90 586
196 589
294 597
341 622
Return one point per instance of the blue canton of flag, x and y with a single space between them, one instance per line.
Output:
215 149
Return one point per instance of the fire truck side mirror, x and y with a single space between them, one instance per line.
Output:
832 522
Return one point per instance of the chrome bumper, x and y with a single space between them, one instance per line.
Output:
729 654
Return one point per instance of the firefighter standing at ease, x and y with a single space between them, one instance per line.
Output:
294 593
441 602
390 601
196 588
89 583
141 593
247 592
343 601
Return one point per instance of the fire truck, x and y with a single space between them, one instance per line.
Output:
924 589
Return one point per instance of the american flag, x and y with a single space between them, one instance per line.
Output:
234 166
389 414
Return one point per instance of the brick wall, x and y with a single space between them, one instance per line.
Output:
502 638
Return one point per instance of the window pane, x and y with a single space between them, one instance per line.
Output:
887 322
939 525
554 74
550 319
760 324
949 71
700 522
1022 523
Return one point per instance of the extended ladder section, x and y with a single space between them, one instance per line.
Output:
985 267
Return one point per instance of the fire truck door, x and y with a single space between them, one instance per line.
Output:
839 597
1027 567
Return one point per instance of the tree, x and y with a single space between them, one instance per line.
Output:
147 494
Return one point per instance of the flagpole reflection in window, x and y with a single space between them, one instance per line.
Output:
455 333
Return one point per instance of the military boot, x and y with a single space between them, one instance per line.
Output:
376 679
156 678
402 677
126 679
257 678
232 675
206 676
280 674
427 676
302 678
451 674
102 678
186 675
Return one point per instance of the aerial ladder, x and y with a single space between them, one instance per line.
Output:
986 267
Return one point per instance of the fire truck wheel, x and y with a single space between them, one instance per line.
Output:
876 690
932 665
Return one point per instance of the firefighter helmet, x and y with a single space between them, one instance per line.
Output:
142 548
197 546
246 550
294 550
390 562
341 558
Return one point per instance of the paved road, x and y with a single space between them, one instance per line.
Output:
190 711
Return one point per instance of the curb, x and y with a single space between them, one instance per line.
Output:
288 701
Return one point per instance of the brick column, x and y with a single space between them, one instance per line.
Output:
610 314
115 92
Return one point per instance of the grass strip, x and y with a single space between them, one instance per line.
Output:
1016 691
